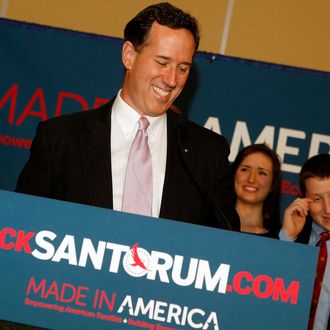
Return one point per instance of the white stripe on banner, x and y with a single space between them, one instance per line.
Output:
226 28
4 8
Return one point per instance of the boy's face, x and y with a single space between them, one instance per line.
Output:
319 191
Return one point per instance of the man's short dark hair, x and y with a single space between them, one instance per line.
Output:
137 29
316 167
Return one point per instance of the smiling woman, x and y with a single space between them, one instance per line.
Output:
257 171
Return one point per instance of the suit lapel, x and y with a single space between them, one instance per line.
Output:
172 194
96 157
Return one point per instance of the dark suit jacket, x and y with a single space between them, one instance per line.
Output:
70 160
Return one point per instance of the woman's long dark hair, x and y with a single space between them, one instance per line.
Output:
271 205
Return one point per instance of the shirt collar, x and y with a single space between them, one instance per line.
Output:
128 118
315 233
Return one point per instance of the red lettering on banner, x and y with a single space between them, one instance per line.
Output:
280 293
290 189
258 282
6 140
100 297
12 96
38 99
99 102
20 243
237 282
263 286
3 233
37 96
76 97
76 294
52 290
66 293
14 141
17 142
32 286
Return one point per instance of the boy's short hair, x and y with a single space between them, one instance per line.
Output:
316 167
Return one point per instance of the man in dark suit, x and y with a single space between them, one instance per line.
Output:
82 157
314 179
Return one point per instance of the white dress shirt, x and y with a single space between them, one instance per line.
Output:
124 125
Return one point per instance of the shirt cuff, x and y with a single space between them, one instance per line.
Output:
284 237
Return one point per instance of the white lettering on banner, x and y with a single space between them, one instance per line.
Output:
117 250
241 136
44 244
66 251
161 311
204 276
283 148
96 256
177 268
198 271
317 139
160 267
138 262
168 269
213 124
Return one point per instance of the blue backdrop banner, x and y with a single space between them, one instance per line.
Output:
47 72
71 266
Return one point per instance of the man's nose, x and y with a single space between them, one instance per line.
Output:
169 77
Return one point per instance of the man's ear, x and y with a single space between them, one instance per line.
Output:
128 54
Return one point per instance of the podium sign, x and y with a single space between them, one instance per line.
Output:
71 266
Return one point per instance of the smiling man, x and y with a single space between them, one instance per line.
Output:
314 230
88 157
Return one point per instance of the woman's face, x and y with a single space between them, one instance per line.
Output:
253 178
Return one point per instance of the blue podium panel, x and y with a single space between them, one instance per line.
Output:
71 266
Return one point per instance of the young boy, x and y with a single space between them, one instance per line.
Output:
314 180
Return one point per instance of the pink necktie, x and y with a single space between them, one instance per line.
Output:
137 196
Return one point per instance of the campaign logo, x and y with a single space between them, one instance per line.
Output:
136 261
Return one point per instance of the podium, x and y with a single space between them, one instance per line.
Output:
72 266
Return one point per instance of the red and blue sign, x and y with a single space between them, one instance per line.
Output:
71 266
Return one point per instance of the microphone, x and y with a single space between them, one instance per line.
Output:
200 184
